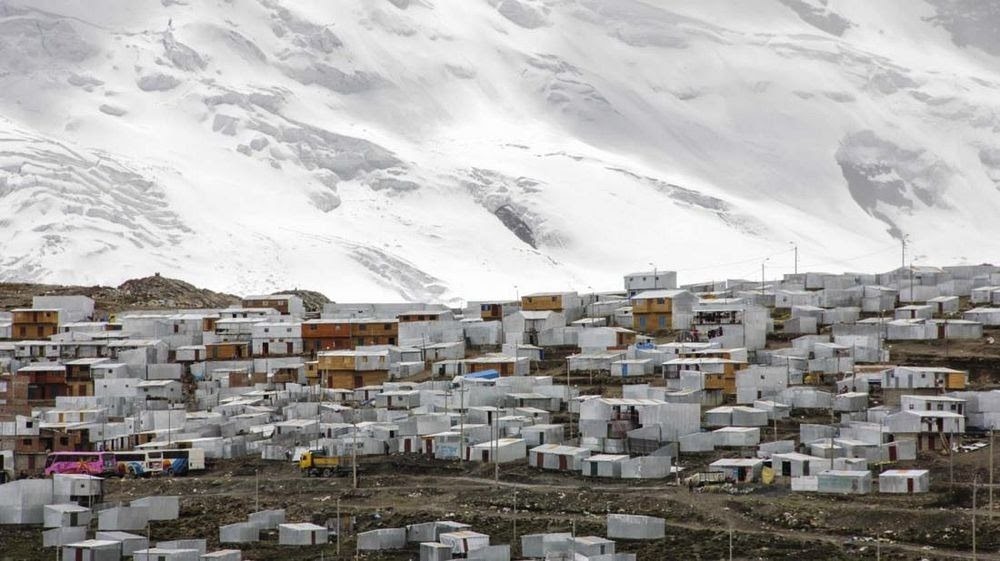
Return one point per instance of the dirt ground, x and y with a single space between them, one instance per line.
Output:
765 522
149 293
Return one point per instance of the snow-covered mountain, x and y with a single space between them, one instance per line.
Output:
437 149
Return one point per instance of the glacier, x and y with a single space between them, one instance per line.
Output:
448 149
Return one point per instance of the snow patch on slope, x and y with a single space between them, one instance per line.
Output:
81 204
458 147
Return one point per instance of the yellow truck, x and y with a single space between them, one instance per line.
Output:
314 463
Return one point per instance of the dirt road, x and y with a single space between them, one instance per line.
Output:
767 523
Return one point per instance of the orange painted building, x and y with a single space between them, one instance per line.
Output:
208 323
227 351
543 302
367 332
29 324
326 335
350 380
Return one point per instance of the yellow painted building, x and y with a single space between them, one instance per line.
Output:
352 369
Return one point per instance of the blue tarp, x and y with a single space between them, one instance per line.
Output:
484 375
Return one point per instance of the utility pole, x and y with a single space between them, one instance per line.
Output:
461 417
256 490
762 277
991 475
319 418
573 541
730 543
911 281
513 541
795 248
354 452
975 487
902 263
340 527
569 396
951 461
496 445
881 316
881 441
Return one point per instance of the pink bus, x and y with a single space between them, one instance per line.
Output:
89 463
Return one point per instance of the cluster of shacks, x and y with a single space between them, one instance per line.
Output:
710 374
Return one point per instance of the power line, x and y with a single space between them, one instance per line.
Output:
884 249
747 260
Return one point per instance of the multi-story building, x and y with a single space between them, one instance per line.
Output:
351 369
34 323
659 311
650 280
369 332
326 335
285 304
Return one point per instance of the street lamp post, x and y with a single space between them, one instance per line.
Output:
762 275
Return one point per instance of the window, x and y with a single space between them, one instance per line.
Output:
553 298
29 424
64 441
